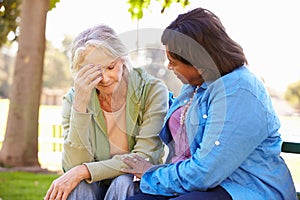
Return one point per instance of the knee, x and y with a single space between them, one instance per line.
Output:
84 186
84 190
125 179
123 183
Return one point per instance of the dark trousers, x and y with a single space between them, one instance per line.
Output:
217 193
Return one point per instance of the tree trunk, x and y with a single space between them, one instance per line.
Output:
20 146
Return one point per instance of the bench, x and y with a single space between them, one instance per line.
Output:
291 147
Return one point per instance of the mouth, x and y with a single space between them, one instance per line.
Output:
105 85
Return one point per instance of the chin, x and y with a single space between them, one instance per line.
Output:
183 80
105 90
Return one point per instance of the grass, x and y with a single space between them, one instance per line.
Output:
24 185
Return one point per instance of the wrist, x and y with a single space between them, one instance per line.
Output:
82 172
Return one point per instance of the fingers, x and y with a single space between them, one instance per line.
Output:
130 161
65 196
127 170
53 192
49 192
87 79
89 75
57 190
59 195
88 69
139 158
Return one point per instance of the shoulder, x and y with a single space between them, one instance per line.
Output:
240 79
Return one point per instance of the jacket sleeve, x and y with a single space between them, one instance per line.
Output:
76 147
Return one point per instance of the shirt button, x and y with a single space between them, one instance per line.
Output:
217 143
204 116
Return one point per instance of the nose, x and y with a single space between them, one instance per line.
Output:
105 77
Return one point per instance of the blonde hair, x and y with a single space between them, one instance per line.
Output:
101 37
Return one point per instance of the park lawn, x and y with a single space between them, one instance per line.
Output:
24 185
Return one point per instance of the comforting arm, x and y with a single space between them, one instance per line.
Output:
228 139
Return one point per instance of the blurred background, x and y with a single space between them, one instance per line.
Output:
267 30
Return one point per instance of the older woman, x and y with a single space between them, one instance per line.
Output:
113 110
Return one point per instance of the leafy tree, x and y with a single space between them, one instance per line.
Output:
10 18
292 94
137 6
9 13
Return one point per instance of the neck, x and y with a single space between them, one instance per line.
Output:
113 102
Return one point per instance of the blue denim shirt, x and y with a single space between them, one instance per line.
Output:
233 135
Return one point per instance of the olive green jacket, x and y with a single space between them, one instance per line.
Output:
85 136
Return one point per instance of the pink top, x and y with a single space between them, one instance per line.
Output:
182 149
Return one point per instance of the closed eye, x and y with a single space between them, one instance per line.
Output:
111 66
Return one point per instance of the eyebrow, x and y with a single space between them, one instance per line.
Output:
110 64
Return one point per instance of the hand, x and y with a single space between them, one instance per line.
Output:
138 165
86 79
63 186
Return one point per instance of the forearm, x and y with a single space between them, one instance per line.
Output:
105 169
82 172
76 147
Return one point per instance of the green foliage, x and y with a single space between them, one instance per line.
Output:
292 94
167 3
53 4
24 185
10 18
137 7
9 13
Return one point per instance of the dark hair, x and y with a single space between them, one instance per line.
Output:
198 38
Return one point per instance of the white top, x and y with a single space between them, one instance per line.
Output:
116 131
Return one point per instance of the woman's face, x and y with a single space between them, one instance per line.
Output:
186 73
112 69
